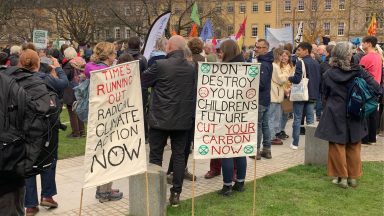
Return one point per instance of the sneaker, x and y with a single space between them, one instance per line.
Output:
266 154
226 190
170 178
343 183
189 176
174 199
211 174
336 180
352 182
110 196
238 186
294 147
48 202
276 141
31 211
97 195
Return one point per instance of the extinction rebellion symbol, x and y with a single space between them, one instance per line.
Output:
248 149
203 150
205 68
253 71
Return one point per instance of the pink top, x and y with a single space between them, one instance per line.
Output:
373 64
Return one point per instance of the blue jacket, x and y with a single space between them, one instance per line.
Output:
59 84
312 68
265 78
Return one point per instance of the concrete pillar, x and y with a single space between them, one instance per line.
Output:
316 150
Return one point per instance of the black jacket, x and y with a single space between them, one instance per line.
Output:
334 126
172 81
265 78
143 64
69 94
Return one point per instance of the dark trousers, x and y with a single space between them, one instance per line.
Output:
157 141
12 203
372 121
76 124
228 168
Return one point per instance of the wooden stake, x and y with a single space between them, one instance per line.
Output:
147 191
193 189
81 201
254 190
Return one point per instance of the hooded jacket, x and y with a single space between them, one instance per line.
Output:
156 55
279 78
334 126
265 78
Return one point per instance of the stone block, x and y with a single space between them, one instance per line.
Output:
316 150
157 187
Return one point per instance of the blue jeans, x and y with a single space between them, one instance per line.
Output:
283 121
319 107
227 166
298 107
48 187
263 131
275 112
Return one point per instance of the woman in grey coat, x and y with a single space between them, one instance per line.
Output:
344 134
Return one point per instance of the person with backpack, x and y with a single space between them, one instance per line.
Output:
342 130
104 56
57 80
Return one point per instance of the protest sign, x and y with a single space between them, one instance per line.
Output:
115 146
279 37
226 110
40 39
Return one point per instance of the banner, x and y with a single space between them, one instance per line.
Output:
155 32
277 37
40 39
115 146
226 110
207 31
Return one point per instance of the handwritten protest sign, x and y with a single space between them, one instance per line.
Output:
115 146
40 39
226 110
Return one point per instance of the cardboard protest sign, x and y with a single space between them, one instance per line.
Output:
115 146
226 110
40 39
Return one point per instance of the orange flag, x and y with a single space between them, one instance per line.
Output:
372 26
194 32
174 33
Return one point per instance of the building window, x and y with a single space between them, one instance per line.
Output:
268 7
255 7
126 11
266 26
242 8
287 24
314 5
107 34
200 9
340 29
230 8
341 4
300 5
254 31
218 8
127 32
327 28
117 33
287 5
328 4
367 17
230 30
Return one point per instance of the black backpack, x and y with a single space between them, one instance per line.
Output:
29 112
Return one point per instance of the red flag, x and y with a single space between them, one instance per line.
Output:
214 41
372 26
194 32
242 29
174 33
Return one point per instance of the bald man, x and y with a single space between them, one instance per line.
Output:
171 109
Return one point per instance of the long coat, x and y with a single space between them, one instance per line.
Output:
334 126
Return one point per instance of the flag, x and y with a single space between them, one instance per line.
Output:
240 42
207 32
194 32
372 26
299 34
155 32
195 14
214 41
242 29
174 33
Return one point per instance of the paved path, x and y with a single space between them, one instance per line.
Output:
70 175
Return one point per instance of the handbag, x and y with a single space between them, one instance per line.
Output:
287 105
299 92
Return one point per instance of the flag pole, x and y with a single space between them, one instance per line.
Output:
193 188
81 200
254 190
147 191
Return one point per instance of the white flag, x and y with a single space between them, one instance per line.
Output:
299 34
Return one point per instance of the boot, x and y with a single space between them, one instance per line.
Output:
266 153
189 176
226 190
48 202
258 156
343 183
170 178
352 182
174 199
110 196
238 186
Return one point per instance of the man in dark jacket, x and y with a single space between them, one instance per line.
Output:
171 109
324 66
265 58
134 51
312 69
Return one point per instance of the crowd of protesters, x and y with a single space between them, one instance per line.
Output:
172 70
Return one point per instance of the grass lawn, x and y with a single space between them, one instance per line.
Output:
69 147
302 190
